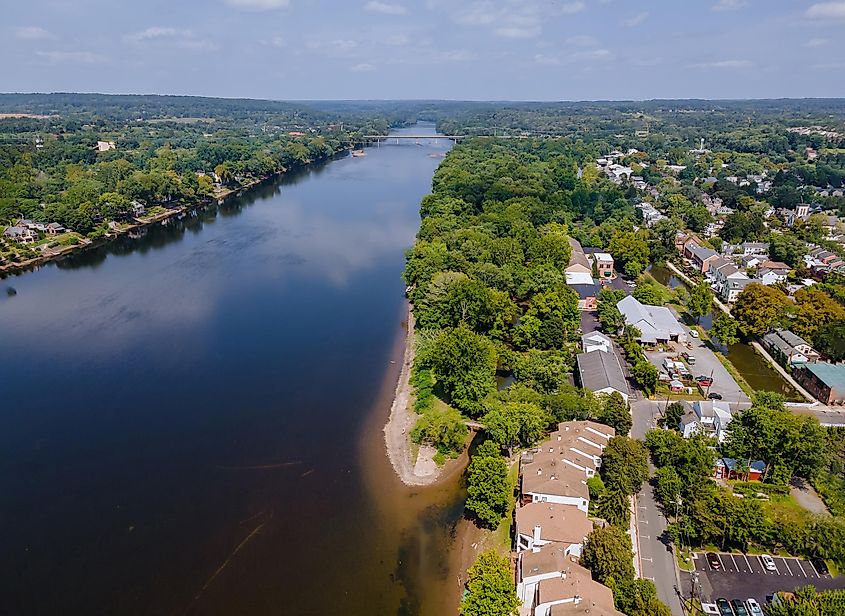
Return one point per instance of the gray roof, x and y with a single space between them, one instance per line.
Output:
601 370
772 339
791 338
654 322
701 252
585 290
739 283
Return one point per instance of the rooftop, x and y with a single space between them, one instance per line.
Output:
601 370
559 523
832 375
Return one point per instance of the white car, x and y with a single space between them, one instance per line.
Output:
754 608
768 562
693 333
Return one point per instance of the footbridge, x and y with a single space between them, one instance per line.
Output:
379 138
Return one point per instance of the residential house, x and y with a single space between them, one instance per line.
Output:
732 288
788 348
656 323
733 470
587 295
573 592
54 228
579 270
772 272
20 234
604 265
651 216
557 470
105 146
826 382
601 373
138 208
596 341
723 272
710 417
801 212
540 524
754 248
699 256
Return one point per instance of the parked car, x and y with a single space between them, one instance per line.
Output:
820 566
689 357
714 561
753 607
768 562
724 607
714 396
739 608
704 381
693 333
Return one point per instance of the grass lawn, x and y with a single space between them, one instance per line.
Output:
685 562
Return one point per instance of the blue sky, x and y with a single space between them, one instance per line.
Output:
453 49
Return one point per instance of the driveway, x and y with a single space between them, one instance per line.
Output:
706 363
743 576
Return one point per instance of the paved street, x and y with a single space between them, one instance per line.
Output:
656 558
743 575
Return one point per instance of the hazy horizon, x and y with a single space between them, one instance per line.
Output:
481 50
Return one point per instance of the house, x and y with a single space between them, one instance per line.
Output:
596 341
656 323
651 216
540 524
54 228
732 288
799 347
20 234
754 248
601 373
579 268
786 353
138 208
699 256
724 273
573 592
604 265
772 272
105 146
587 295
728 468
826 382
557 470
801 212
710 417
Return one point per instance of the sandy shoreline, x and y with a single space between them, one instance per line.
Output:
397 430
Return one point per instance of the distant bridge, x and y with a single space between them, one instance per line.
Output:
379 138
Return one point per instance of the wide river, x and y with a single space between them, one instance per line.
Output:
190 422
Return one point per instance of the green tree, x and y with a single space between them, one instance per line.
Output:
464 365
646 376
725 329
758 308
489 492
639 598
672 416
607 554
815 309
700 301
516 423
613 411
609 316
490 588
631 250
444 430
624 464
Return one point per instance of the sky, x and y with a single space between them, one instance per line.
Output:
426 49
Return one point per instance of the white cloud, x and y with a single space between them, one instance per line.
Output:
518 32
343 45
594 54
546 60
581 40
259 5
817 42
728 64
397 40
176 37
729 5
636 20
385 7
31 33
362 68
71 57
826 10
457 55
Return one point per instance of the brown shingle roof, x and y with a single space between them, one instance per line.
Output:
558 523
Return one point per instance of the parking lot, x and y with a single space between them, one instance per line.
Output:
741 576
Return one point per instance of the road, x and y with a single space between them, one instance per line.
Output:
657 563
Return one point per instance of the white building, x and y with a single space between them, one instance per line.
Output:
656 323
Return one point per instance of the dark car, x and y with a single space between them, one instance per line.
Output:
724 607
714 561
820 566
714 396
739 608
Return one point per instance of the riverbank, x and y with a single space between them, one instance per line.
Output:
218 198
421 470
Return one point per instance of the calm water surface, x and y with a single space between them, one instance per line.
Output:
190 423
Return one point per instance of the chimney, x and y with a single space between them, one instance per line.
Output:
536 536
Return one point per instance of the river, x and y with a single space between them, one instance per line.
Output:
190 422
